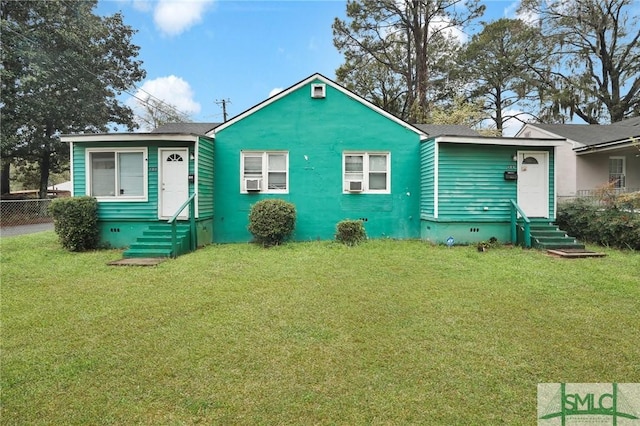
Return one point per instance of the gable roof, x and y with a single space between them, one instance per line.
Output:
594 134
327 81
186 128
446 129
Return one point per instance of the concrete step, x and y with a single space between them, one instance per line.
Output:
146 252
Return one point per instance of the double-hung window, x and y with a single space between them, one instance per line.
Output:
368 172
264 171
117 174
617 172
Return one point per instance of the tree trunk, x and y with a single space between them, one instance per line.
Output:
5 186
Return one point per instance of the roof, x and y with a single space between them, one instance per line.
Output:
327 81
594 134
446 129
186 128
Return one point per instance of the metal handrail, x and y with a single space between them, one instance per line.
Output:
515 209
192 225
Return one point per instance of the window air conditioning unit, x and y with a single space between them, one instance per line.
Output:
355 186
253 184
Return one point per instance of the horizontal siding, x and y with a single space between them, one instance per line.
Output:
124 210
427 170
205 178
471 183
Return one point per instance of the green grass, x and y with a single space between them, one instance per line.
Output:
386 332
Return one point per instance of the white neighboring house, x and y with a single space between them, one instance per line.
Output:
593 155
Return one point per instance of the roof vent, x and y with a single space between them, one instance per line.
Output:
318 91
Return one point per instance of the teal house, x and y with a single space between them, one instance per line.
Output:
328 151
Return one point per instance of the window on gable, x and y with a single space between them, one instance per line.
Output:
366 172
117 174
265 172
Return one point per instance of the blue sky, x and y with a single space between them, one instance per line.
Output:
198 52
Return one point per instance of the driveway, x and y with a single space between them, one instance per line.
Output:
12 231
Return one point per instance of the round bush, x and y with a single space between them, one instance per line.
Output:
75 220
272 221
350 232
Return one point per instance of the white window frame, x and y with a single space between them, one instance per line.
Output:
117 197
264 176
622 184
366 172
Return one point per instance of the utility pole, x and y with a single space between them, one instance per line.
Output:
224 103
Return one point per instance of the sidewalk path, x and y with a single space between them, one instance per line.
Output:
12 231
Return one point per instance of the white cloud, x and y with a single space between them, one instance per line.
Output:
443 24
511 126
275 91
174 17
172 90
142 5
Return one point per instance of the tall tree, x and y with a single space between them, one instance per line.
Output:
153 112
62 70
595 45
409 40
497 62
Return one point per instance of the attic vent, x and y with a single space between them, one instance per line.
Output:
527 134
318 91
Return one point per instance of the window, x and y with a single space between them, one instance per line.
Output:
367 172
117 174
265 172
617 172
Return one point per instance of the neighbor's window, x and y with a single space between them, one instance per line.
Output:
366 172
117 174
265 171
617 172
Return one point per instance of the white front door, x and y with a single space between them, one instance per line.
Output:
533 183
173 181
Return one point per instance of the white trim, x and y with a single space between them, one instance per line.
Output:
130 137
323 90
484 140
303 83
555 181
365 172
436 178
71 167
265 171
196 176
116 198
624 169
160 171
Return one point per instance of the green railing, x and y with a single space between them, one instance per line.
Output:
192 225
515 209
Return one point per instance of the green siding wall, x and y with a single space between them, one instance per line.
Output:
316 132
427 170
205 178
471 178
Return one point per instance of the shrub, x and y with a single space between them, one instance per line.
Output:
272 221
76 222
606 225
350 232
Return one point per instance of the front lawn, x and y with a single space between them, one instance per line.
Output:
386 332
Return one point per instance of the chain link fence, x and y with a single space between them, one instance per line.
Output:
24 212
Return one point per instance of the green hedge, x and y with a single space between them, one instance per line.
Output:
613 224
76 222
272 221
350 232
